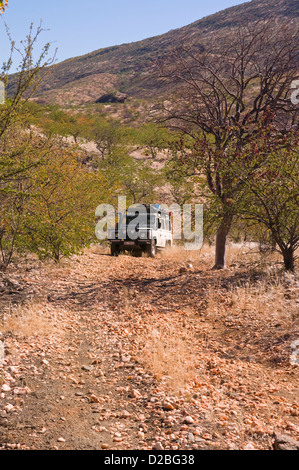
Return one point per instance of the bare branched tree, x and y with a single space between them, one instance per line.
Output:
225 95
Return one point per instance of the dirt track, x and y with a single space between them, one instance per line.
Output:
130 353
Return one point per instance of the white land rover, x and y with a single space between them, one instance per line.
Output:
150 232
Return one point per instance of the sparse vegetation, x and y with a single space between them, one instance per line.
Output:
164 353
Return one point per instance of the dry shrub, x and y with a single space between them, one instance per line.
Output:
169 357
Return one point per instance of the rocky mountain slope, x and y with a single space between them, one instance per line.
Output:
130 69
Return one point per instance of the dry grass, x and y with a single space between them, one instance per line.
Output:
236 253
245 254
169 357
28 320
97 249
252 307
268 298
178 254
165 352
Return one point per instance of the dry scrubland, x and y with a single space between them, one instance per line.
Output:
139 353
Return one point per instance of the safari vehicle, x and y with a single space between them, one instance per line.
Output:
152 232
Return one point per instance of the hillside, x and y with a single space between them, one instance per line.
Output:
130 68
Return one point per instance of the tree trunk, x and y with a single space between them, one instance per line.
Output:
221 237
288 259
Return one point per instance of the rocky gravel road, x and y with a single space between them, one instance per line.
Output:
138 353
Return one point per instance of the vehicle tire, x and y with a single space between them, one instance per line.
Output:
137 253
114 250
152 249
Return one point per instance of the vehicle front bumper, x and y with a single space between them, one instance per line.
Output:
130 244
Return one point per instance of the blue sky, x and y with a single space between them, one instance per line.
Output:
77 27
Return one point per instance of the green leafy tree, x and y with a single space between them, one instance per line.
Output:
20 149
154 138
47 198
133 178
108 137
22 152
60 210
57 122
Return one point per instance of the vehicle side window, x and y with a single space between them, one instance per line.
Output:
153 222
